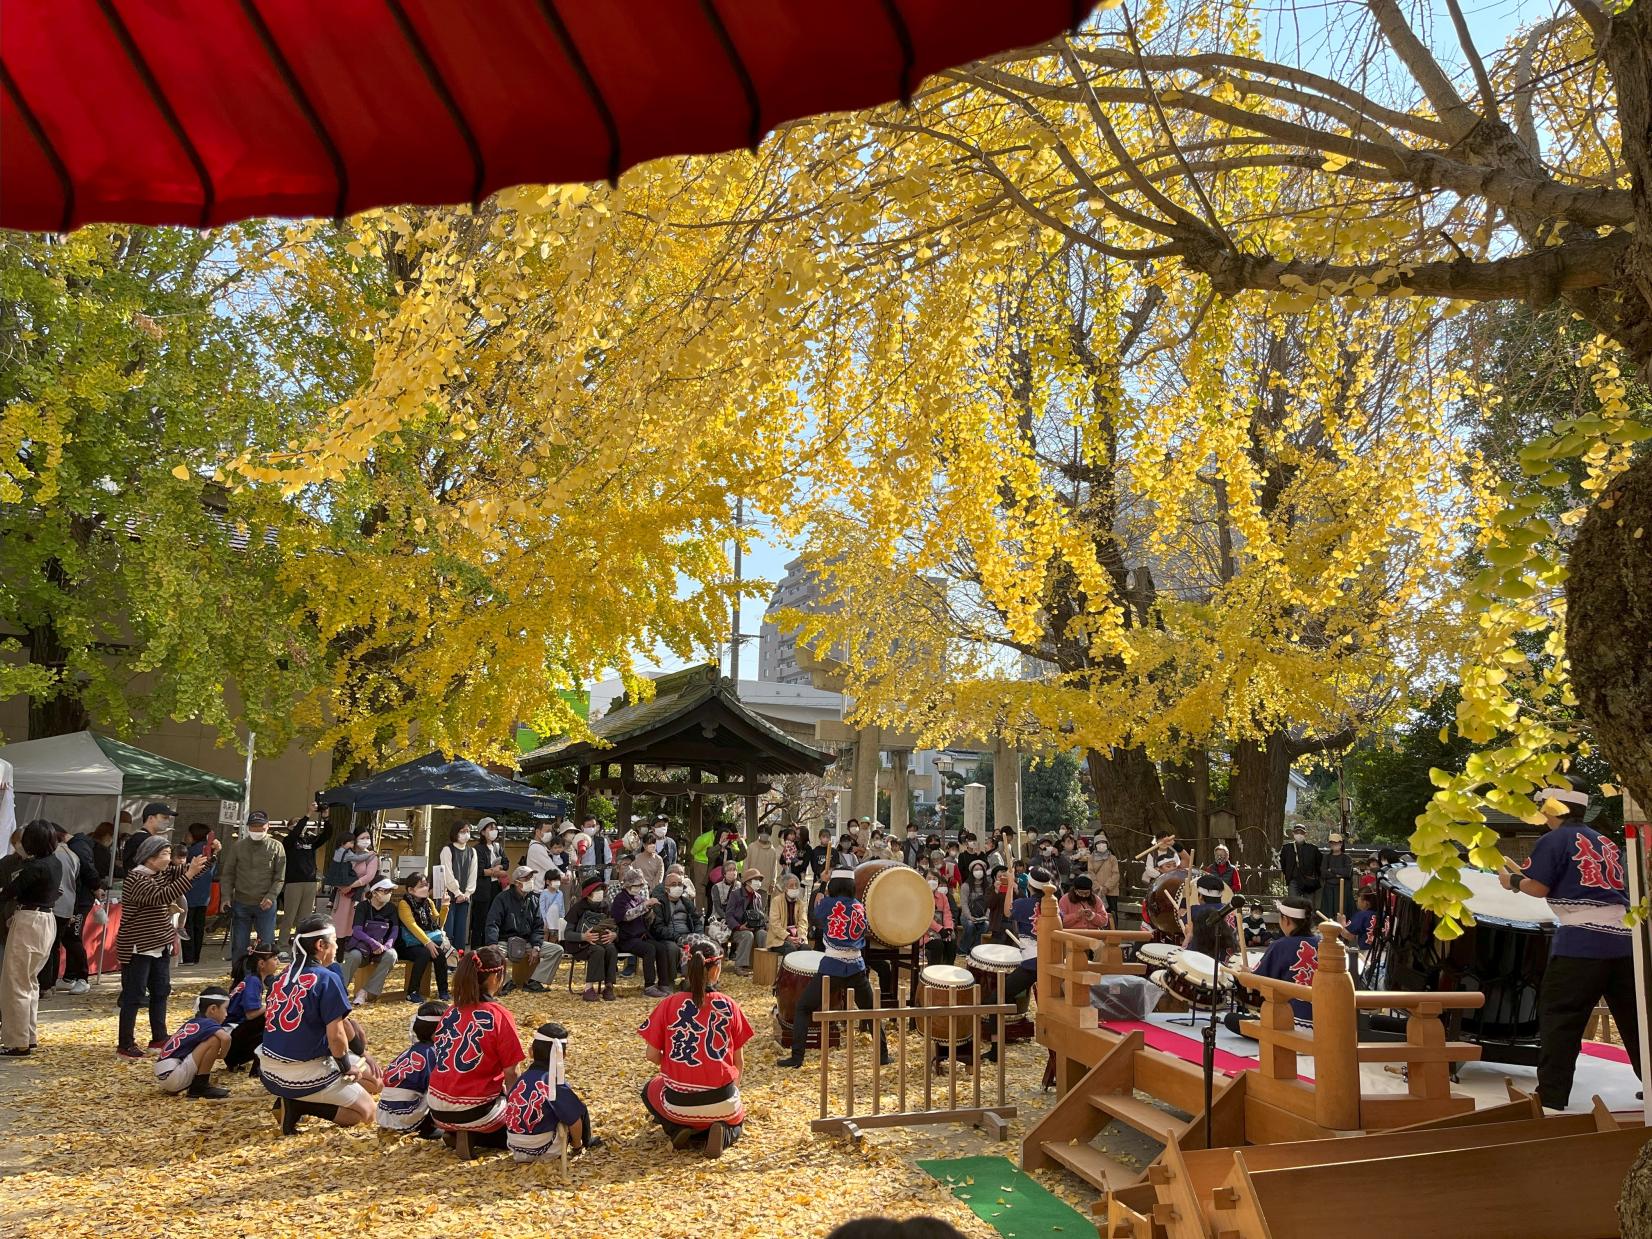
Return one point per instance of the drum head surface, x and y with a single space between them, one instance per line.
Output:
1196 966
806 962
899 906
1160 953
947 976
996 957
1490 900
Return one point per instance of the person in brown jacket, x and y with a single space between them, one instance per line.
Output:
144 939
1103 869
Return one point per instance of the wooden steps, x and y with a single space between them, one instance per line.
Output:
1089 1163
1144 1116
1400 1052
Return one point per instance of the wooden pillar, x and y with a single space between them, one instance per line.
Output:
863 790
1006 790
1336 1039
582 794
900 810
751 805
622 801
696 811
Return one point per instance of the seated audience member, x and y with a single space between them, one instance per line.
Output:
404 1105
516 923
696 1038
478 1053
368 954
1081 907
788 919
747 921
593 937
543 1113
245 1019
634 920
186 1059
424 941
677 919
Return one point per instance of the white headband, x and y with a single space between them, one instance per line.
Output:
1566 795
842 873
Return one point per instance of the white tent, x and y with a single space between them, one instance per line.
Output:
8 807
68 779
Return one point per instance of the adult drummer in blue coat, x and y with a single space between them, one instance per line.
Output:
1580 873
306 1058
840 919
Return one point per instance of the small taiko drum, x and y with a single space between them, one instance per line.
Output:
1192 977
899 904
991 964
1157 954
798 970
1246 962
943 985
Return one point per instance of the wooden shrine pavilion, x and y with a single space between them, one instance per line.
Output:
694 722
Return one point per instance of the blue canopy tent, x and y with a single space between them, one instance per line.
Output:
441 780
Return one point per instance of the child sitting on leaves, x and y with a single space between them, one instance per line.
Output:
186 1059
542 1111
403 1106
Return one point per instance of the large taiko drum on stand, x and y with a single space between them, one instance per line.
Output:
1162 908
991 965
1193 977
899 904
943 985
798 970
1502 955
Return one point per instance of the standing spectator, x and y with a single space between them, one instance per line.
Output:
699 863
974 906
144 940
941 942
458 864
763 857
1103 868
1224 868
32 890
634 917
553 905
516 924
424 943
817 852
1337 901
199 898
92 884
1301 863
649 863
539 857
591 849
666 845
364 862
157 820
492 876
74 970
305 839
593 937
254 869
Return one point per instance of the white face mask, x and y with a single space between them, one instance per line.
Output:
490 834
660 831
599 897
674 892
463 838
793 893
257 833
364 845
590 830
756 889
933 883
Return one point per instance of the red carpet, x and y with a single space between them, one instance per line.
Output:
1188 1049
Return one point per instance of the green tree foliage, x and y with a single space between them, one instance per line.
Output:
1051 793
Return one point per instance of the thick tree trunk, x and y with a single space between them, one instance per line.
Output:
1635 1205
1627 50
1130 802
61 712
1256 795
1609 625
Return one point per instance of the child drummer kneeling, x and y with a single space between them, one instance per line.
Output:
186 1060
543 1113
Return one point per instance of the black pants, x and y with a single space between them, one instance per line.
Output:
1571 988
245 1038
659 961
479 904
74 954
195 927
1015 984
940 950
420 961
808 1002
144 976
601 962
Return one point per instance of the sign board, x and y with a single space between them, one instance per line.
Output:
229 812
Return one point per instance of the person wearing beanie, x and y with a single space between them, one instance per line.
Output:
245 1018
1224 868
634 911
144 940
1210 930
1081 907
404 1105
593 936
1580 872
185 1064
543 1114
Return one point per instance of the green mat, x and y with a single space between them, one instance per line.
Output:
1014 1203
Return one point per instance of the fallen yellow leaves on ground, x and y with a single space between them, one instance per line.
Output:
93 1148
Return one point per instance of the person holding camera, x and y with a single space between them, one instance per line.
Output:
303 840
516 924
593 937
747 921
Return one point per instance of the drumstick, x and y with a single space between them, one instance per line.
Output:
1146 851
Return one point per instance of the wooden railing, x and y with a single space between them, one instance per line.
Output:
1070 961
1334 1100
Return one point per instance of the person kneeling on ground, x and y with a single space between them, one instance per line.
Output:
634 915
478 1053
245 1020
696 1039
543 1113
307 1060
593 936
369 944
404 1105
514 918
187 1057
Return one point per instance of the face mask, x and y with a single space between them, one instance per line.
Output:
464 837
638 889
490 834
794 893
945 890
660 831
256 834
599 897
364 845
933 883
756 889
590 830
674 892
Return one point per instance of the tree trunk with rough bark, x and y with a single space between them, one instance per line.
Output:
62 712
1131 802
1256 796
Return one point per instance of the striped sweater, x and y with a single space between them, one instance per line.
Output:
146 901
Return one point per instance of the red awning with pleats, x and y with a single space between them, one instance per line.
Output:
202 112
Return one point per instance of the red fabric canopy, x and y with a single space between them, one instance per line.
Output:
201 112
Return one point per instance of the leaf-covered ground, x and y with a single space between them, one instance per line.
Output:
89 1146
